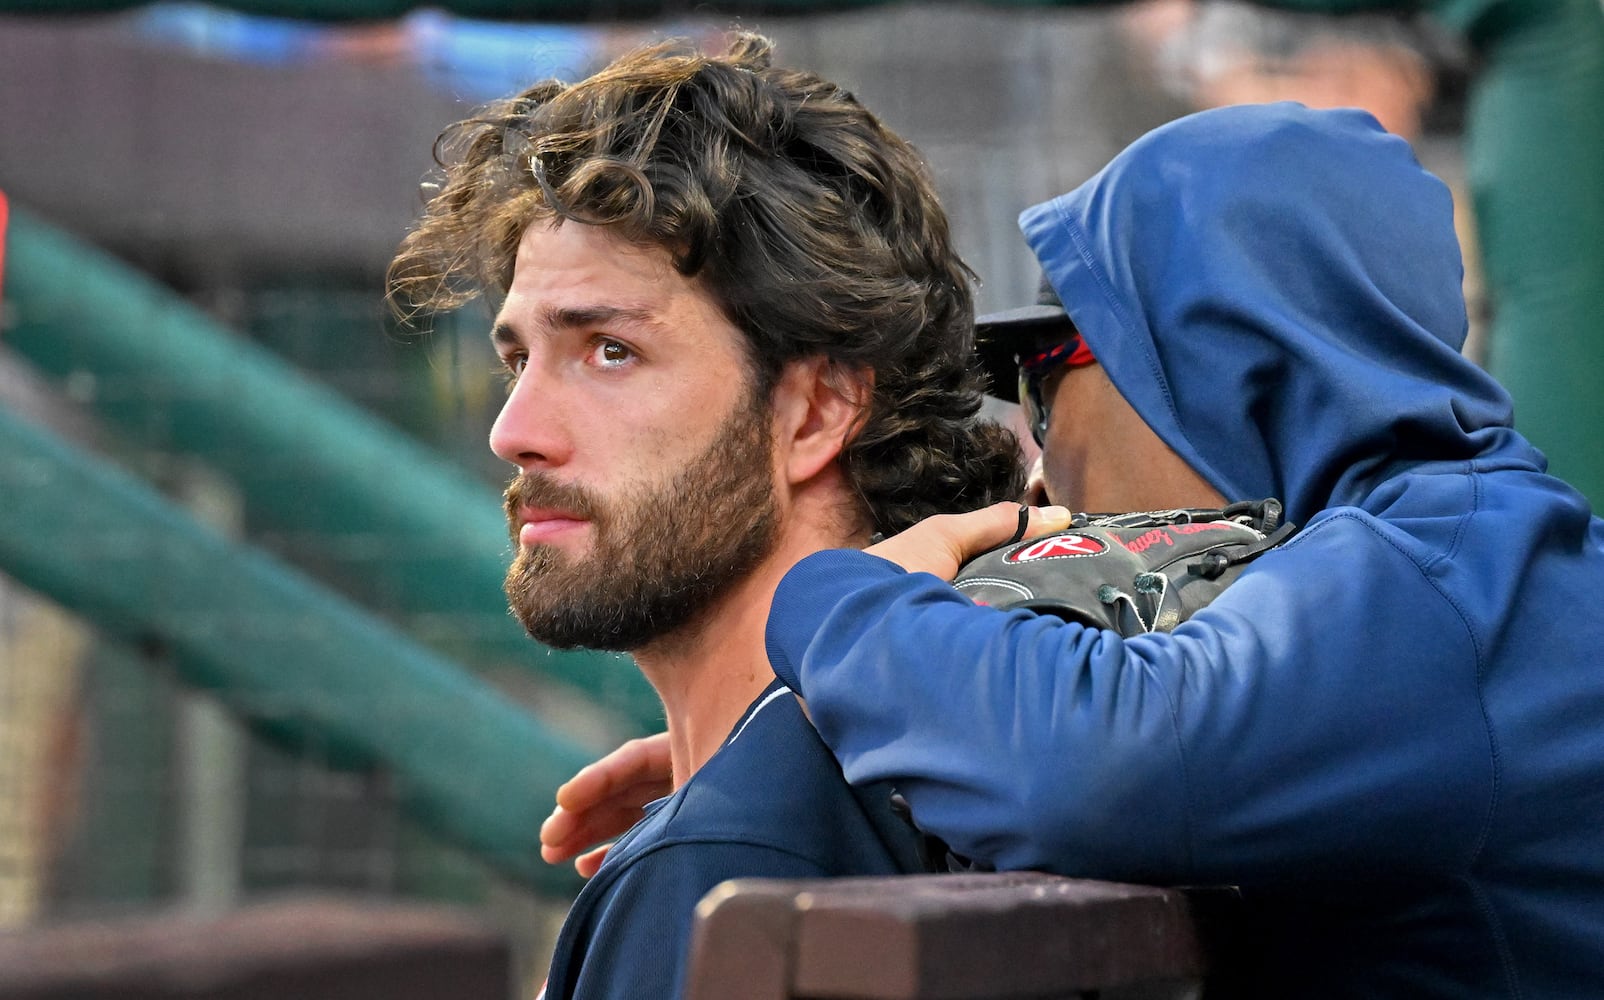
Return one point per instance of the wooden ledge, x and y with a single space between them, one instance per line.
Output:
945 937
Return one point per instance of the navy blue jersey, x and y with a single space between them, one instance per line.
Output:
770 803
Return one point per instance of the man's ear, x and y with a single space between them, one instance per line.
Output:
818 407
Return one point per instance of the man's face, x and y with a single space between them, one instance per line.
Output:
646 478
1099 456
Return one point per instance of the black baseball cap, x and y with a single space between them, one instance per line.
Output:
999 336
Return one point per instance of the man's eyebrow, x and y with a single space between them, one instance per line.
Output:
562 318
571 317
502 335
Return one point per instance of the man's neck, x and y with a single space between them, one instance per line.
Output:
708 674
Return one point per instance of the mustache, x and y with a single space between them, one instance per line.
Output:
534 489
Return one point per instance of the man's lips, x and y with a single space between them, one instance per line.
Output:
537 525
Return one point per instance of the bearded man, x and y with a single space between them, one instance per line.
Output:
735 333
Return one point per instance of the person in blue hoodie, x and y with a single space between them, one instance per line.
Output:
1389 733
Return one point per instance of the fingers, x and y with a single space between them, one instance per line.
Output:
585 862
568 831
1003 523
560 836
604 799
565 835
589 863
939 545
1045 521
639 763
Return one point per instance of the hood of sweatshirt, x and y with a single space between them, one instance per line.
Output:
1278 293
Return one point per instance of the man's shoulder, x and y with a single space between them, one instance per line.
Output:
629 931
770 804
775 784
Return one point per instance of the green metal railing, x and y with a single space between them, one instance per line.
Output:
398 527
298 662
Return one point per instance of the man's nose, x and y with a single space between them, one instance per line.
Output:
529 431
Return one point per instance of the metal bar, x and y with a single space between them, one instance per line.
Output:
398 527
300 663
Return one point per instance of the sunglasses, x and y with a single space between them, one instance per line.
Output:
1034 370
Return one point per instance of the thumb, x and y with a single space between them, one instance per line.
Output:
940 544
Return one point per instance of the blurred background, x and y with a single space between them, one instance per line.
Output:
252 641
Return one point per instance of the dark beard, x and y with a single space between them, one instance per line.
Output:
660 556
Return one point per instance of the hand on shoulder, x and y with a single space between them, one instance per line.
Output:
940 545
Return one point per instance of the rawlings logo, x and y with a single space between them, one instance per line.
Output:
1057 547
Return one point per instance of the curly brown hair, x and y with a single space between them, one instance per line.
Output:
815 227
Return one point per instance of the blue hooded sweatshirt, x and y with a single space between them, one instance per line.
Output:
1390 732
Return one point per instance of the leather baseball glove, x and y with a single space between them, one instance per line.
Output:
1134 573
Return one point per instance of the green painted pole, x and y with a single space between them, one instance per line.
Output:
298 662
399 528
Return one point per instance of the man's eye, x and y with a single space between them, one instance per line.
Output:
512 366
610 353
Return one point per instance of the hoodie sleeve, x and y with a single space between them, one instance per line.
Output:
1246 744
